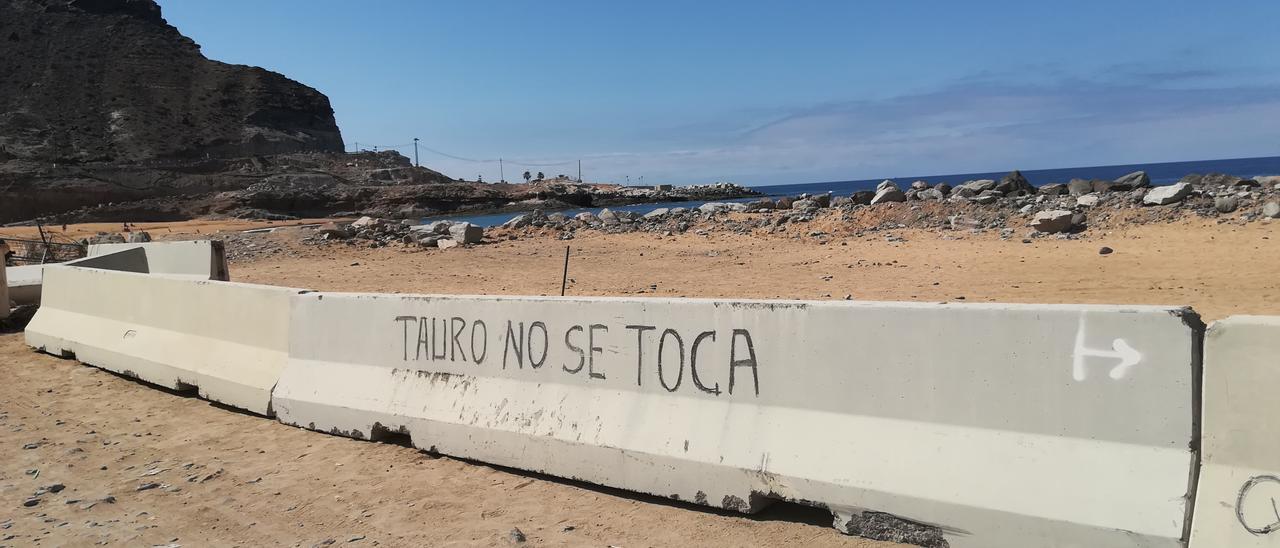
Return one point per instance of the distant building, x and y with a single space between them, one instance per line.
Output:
662 187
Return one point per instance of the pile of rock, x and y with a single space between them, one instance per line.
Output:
444 234
382 232
1005 204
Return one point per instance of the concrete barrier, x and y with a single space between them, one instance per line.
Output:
23 284
973 425
228 339
204 259
4 282
1239 486
200 259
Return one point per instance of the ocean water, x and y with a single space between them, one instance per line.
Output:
1161 174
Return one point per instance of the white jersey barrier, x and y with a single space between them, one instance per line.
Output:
1236 502
23 284
973 425
228 339
200 259
4 281
204 259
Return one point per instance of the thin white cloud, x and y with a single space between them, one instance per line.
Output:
970 127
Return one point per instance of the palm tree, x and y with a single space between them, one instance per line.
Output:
526 176
541 176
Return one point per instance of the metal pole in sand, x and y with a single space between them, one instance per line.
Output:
564 280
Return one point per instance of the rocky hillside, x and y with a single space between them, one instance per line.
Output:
111 81
108 113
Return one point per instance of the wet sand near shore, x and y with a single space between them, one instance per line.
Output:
227 478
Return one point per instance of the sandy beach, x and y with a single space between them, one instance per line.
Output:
143 466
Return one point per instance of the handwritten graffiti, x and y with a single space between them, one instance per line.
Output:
1120 350
427 338
662 356
1256 507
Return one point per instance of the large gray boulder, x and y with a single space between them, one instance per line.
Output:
1163 195
1079 187
863 197
931 194
1053 221
714 207
434 227
1053 189
1101 186
1269 181
806 204
139 237
988 197
466 233
519 221
1137 179
364 222
608 217
1215 179
761 205
979 186
885 184
1014 183
1226 204
657 213
889 194
1271 210
1088 200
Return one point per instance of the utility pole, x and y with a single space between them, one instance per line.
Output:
357 147
501 178
415 153
579 171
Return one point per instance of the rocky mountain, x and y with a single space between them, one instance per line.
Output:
111 81
108 113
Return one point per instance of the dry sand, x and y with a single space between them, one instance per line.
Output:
1219 269
269 484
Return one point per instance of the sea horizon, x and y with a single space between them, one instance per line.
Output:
1160 173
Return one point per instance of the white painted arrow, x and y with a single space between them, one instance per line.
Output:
1120 350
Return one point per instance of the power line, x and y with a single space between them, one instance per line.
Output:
527 164
466 159
456 157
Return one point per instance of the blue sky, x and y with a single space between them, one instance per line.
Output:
772 92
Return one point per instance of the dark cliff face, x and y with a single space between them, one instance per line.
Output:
111 81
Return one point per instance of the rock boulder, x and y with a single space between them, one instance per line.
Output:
1163 195
466 233
1053 221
